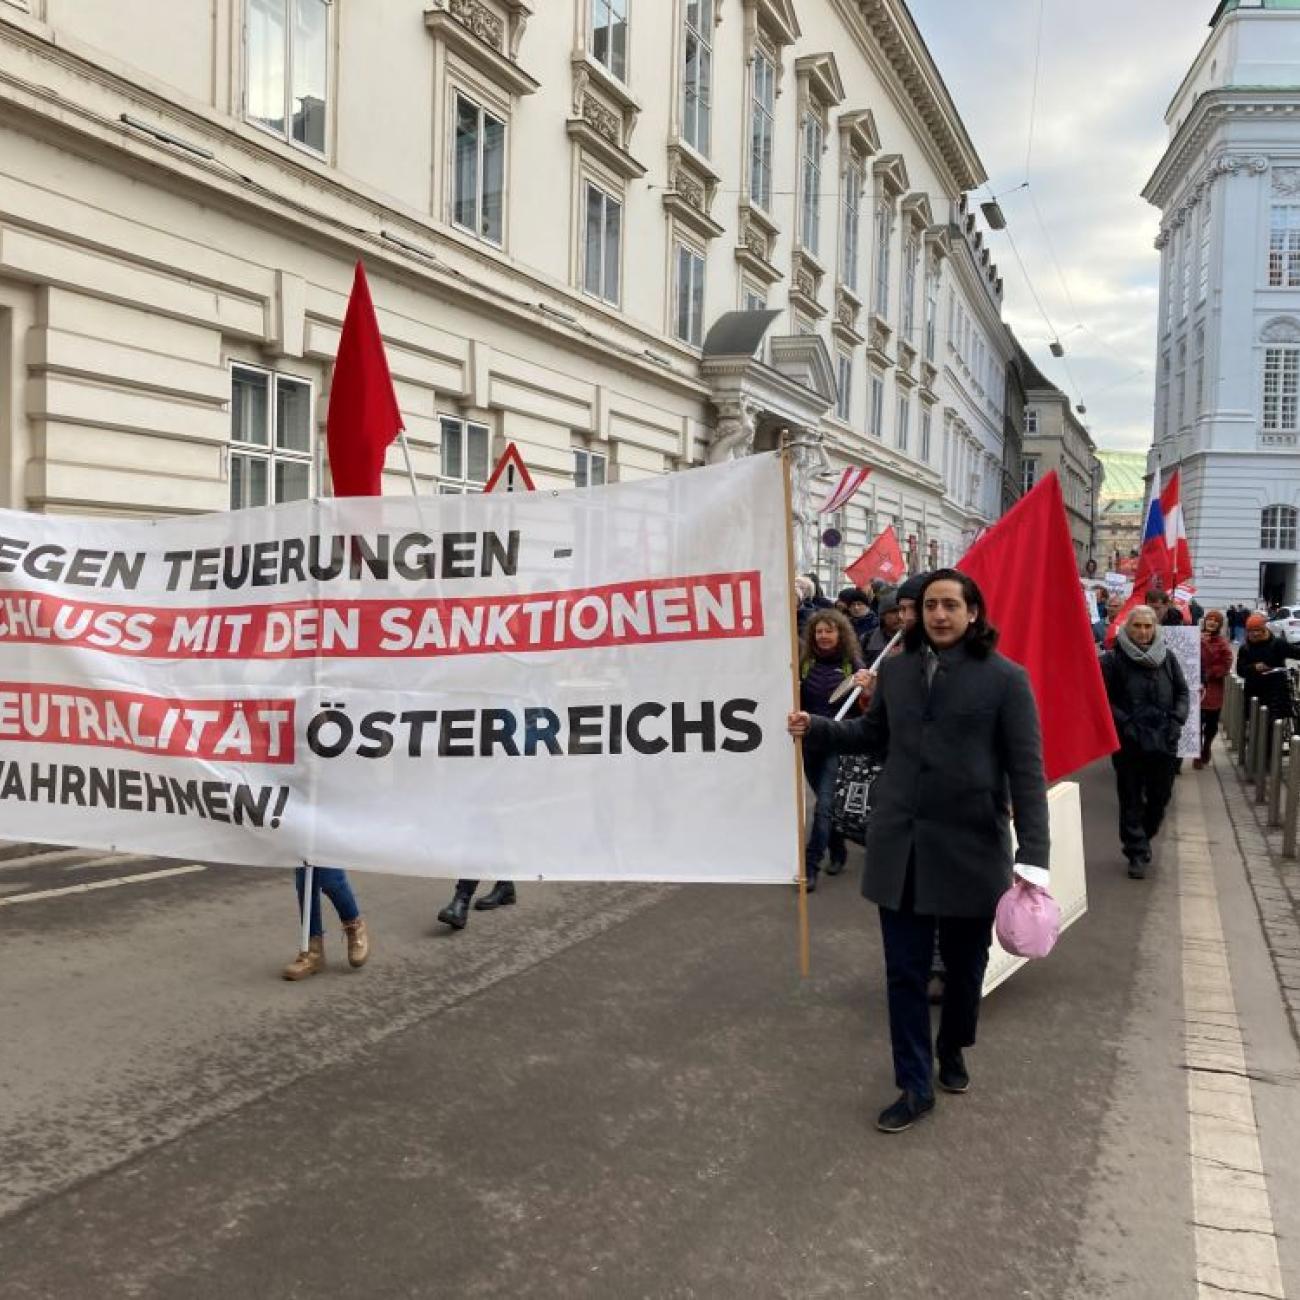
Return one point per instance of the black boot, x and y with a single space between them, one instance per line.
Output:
456 913
502 894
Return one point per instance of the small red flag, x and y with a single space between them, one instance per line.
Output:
1025 567
882 559
363 414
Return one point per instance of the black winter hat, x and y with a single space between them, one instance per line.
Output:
851 594
912 588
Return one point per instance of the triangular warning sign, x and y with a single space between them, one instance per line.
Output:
510 474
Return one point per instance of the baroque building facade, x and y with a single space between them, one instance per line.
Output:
630 236
1228 391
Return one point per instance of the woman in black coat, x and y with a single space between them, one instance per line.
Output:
957 728
1149 699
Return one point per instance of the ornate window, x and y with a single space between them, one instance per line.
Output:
607 35
843 385
479 169
1281 413
876 415
850 222
911 256
903 421
286 68
270 437
1284 247
927 424
931 309
697 75
762 117
688 294
602 243
812 142
1277 528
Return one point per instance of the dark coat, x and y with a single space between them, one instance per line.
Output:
1272 688
959 755
1150 704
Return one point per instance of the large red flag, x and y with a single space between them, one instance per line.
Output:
1180 555
882 559
1025 567
363 415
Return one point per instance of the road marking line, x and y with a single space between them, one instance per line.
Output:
1236 1244
56 857
100 884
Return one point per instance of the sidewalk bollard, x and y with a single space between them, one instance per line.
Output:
1246 755
1259 773
1292 819
1274 782
1230 699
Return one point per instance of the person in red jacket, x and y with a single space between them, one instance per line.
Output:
1216 664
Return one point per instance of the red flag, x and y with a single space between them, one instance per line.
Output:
846 487
882 559
1154 568
363 416
1025 567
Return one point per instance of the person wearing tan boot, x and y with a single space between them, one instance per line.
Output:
334 884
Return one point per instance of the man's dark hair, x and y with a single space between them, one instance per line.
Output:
980 637
1155 593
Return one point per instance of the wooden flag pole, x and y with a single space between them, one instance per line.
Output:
805 962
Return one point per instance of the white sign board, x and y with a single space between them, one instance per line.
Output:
582 685
1069 883
1185 644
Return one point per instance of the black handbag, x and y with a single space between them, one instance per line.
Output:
851 809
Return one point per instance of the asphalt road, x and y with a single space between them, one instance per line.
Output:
607 1091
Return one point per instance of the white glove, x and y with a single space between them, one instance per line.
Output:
1039 876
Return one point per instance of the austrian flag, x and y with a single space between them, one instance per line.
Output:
845 489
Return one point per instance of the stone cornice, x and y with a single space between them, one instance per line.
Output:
916 80
1213 110
1223 164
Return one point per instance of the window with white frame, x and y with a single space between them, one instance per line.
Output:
697 75
931 310
1284 247
589 468
1171 276
1031 421
464 448
478 171
1028 472
270 437
884 234
1281 389
286 68
850 221
1203 272
1277 528
602 244
903 429
876 415
1185 296
843 385
607 35
1165 412
688 294
911 254
1198 392
810 181
762 114
752 297
927 427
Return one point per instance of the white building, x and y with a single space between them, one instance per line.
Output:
629 235
1228 399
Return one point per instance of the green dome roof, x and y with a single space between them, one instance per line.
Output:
1228 6
1125 475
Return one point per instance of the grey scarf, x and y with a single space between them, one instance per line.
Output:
1151 657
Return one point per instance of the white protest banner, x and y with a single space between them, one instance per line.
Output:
1185 645
584 685
1118 582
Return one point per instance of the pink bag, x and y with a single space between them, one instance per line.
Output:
1028 920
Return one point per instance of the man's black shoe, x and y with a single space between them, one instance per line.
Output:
904 1113
456 913
810 885
1137 869
502 894
953 1076
835 866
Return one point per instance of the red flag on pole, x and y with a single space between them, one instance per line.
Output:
1180 555
363 414
882 559
846 486
1025 567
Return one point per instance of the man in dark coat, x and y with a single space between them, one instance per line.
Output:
1167 613
1261 665
957 727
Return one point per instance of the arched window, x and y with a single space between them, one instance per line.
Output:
1277 528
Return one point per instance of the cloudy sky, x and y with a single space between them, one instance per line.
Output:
1108 70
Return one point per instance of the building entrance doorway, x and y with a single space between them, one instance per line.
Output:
1277 583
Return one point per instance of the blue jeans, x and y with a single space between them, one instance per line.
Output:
909 939
820 770
334 883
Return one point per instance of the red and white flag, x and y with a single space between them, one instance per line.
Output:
1180 555
849 482
882 559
